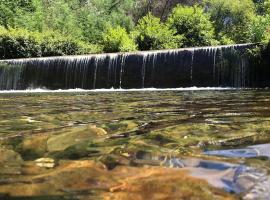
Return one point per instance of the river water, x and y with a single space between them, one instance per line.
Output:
116 144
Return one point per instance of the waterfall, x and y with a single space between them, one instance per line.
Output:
214 63
220 66
123 61
10 76
95 71
145 59
191 64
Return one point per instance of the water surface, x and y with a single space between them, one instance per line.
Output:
124 131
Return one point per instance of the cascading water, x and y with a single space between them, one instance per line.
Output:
10 76
221 66
123 61
191 65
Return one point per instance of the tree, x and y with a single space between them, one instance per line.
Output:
262 6
267 6
10 10
159 8
233 18
82 19
152 34
193 24
96 15
260 29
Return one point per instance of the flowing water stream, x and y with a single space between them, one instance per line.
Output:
135 144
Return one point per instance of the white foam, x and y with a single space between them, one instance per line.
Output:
40 90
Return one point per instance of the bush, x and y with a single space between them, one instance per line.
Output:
117 40
193 24
20 43
53 44
224 39
87 48
151 34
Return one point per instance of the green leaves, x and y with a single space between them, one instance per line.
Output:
117 40
232 18
193 24
151 34
240 21
80 19
260 29
20 43
81 26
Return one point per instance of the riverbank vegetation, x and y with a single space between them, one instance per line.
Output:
34 28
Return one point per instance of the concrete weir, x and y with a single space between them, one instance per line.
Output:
219 66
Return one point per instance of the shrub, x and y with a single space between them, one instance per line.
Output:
224 39
87 48
117 40
20 43
53 44
193 24
151 34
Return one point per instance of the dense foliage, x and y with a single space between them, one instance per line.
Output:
152 34
20 43
118 40
60 27
233 18
193 24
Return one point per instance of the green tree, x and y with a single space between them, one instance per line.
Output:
11 10
193 24
260 29
82 19
118 40
262 6
151 34
94 16
59 16
233 18
266 6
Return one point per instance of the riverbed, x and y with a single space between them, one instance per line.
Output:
135 144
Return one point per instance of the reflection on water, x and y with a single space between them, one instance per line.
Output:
234 178
248 152
44 136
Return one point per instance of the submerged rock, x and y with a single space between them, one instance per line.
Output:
74 136
34 146
10 162
94 181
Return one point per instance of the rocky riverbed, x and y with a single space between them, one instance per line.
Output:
135 145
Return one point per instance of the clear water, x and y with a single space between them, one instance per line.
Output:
121 130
